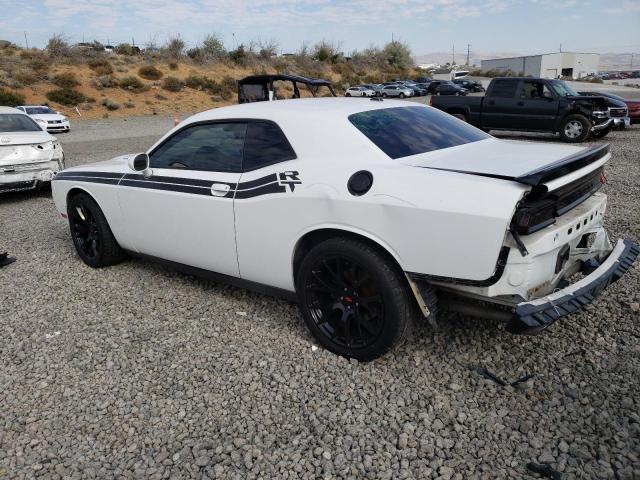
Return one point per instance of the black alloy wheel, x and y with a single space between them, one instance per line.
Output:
84 230
90 232
353 299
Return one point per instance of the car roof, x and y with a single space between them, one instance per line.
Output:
10 110
308 123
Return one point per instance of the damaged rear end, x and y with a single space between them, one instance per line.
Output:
556 256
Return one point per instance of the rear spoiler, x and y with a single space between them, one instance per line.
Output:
563 166
554 170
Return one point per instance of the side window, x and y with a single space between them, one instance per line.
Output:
214 147
534 90
265 144
504 88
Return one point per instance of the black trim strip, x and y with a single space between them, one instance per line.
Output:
168 187
264 190
106 181
497 274
65 174
253 188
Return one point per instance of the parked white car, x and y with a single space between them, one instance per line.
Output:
48 119
385 210
359 92
29 156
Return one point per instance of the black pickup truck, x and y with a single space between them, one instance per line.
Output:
532 104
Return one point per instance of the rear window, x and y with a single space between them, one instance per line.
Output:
403 131
17 122
504 88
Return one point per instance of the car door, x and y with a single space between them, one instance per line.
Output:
265 205
183 211
537 107
500 107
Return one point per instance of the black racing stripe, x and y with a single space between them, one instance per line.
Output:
69 178
170 187
265 190
258 182
177 180
72 173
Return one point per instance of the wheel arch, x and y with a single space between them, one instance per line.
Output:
77 189
315 236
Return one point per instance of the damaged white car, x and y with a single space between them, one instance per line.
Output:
29 156
362 211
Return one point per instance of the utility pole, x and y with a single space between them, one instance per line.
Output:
453 54
27 41
133 42
468 50
560 48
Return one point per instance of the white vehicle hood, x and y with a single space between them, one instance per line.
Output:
48 116
500 158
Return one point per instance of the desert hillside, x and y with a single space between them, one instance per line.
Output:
90 82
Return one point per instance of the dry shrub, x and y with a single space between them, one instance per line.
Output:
11 99
104 81
133 84
173 65
101 66
110 104
25 76
150 72
65 80
172 84
66 96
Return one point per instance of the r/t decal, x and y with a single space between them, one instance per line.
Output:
289 178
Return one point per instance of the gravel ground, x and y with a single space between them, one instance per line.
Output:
137 372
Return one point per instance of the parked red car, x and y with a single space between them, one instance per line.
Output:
633 106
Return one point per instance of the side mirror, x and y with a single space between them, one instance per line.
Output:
139 163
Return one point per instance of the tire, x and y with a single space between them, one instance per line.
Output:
401 95
460 116
575 128
384 95
353 299
90 232
347 94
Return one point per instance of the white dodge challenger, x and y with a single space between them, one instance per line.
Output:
366 212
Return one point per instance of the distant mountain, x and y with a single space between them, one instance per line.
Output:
608 61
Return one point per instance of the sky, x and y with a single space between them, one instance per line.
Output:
497 26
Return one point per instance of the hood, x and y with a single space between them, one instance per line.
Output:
525 162
48 116
602 101
115 165
24 138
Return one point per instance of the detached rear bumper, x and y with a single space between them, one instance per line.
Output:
531 317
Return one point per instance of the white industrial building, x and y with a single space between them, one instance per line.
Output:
547 65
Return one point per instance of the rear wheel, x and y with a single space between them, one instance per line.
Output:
575 128
347 94
384 95
401 95
92 237
353 299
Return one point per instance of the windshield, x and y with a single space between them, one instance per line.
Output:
403 131
562 89
38 110
17 122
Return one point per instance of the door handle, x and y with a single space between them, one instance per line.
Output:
220 189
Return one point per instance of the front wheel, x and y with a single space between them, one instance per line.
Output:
575 128
92 237
353 299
